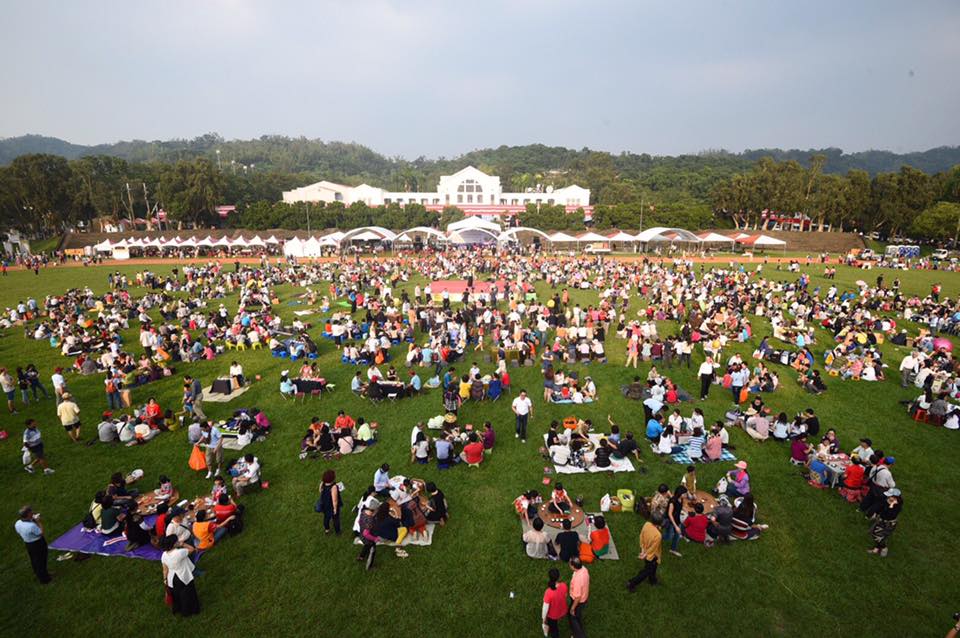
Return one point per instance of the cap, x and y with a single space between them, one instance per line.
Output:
892 492
890 460
107 414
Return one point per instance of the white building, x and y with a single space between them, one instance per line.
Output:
469 189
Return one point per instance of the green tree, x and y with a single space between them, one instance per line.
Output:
938 222
40 185
191 191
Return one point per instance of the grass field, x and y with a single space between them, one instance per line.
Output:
809 573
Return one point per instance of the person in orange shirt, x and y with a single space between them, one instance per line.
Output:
343 422
208 532
600 537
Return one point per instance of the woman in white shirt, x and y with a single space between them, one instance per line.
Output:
236 374
178 576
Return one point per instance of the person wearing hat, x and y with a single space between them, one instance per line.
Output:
30 529
757 425
107 429
864 451
886 522
738 480
69 414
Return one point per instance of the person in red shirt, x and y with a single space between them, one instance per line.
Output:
343 422
473 451
554 604
852 486
224 509
695 527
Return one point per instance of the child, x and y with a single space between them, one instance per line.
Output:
219 489
689 481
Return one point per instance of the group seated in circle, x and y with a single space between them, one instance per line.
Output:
569 444
333 441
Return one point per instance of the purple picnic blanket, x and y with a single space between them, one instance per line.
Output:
78 539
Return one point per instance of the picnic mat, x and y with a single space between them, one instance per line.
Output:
302 313
232 444
216 397
408 540
684 458
616 465
84 541
581 529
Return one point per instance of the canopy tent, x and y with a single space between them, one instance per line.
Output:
189 242
206 241
714 238
562 238
293 248
367 235
312 247
762 242
466 236
239 242
663 234
474 224
591 237
272 239
620 236
739 236
222 242
514 234
257 242
151 243
429 234
103 247
377 232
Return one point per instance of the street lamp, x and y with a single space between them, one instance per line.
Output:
218 159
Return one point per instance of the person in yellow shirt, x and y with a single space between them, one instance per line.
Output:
650 540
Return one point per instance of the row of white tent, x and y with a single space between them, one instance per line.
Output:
188 242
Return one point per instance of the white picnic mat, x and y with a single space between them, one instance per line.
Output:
216 397
616 465
421 540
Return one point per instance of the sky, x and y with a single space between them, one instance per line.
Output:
412 77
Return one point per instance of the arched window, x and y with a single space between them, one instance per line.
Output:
469 186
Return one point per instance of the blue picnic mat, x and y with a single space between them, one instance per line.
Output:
684 458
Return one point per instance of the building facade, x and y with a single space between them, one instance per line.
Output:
469 189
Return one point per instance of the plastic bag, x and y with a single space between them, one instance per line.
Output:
605 503
198 461
722 485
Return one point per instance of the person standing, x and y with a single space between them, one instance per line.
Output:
59 384
522 407
33 444
69 413
579 593
196 394
554 604
212 440
178 575
650 539
706 374
9 385
329 502
30 530
886 522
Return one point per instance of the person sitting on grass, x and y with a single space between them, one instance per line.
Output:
568 541
560 502
695 525
249 475
536 543
602 454
389 528
473 450
437 511
420 451
627 448
600 537
527 506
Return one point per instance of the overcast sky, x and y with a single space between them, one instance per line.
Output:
410 78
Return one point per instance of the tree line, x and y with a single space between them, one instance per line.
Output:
45 194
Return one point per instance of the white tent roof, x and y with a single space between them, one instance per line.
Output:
188 242
367 235
330 240
256 241
293 247
763 240
474 223
739 236
152 243
620 236
511 234
591 236
206 241
379 232
559 236
408 234
709 238
223 241
659 233
103 246
239 241
272 239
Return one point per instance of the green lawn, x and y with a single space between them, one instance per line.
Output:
809 573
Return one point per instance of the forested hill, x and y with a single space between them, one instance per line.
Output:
333 159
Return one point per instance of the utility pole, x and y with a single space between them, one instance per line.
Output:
218 159
146 201
130 200
641 212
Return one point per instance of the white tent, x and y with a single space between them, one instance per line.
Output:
223 241
367 235
410 234
714 238
189 242
206 241
272 239
762 241
379 232
257 242
123 243
661 233
591 236
151 243
621 236
474 223
513 234
312 247
330 240
293 248
103 247
239 242
561 237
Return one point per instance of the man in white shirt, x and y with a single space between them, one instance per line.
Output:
706 374
908 368
522 407
250 474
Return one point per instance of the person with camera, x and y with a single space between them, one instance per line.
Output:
30 530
